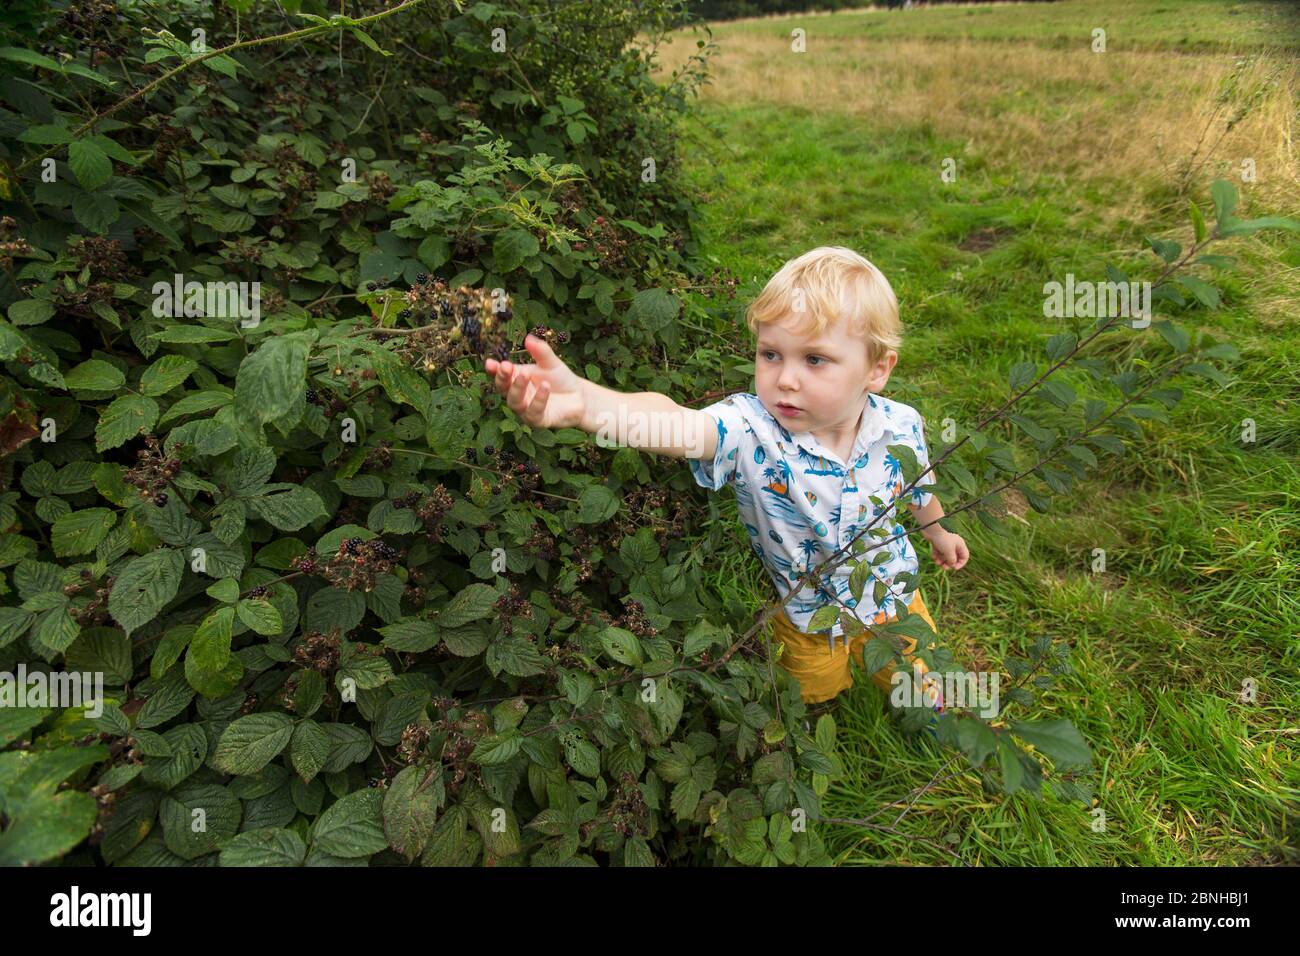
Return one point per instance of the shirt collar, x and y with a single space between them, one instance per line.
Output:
875 422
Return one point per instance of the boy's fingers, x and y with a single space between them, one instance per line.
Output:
518 384
538 404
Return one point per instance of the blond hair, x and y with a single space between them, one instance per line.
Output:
828 285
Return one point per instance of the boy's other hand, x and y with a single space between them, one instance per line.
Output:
949 551
546 395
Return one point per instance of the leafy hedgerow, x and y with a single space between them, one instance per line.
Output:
346 608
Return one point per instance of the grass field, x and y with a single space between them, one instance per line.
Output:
1065 160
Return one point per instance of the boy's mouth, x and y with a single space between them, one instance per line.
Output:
785 409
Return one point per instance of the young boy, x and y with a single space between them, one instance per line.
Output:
804 455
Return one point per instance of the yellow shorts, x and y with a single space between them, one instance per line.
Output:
823 670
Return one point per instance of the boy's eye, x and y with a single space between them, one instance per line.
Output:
817 358
767 353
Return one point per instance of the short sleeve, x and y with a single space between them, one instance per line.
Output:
920 497
722 468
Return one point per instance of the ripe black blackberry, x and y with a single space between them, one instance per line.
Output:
160 499
502 351
470 326
421 278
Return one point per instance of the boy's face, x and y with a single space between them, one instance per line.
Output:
818 383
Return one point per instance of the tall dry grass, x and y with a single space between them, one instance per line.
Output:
1118 117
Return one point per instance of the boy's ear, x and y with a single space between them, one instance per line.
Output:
878 375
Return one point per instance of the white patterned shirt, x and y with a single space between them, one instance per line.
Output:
794 496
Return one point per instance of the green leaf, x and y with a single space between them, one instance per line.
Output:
1165 249
44 830
470 604
653 309
1012 772
221 813
1208 371
622 645
96 211
250 743
95 375
34 312
976 740
144 587
513 247
210 645
29 58
353 827
1022 373
89 163
273 377
1204 293
125 418
1244 227
497 748
14 622
261 616
166 373
411 809
1198 224
1174 335
1058 346
596 503
582 756
310 748
226 591
289 510
170 697
265 846
1058 739
80 531
1225 199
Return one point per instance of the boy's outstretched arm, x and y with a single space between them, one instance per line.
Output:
549 394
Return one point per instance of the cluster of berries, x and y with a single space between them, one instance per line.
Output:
542 545
91 21
318 651
331 405
628 810
356 564
452 324
153 472
510 604
9 245
429 508
104 258
95 612
414 737
461 737
384 779
610 244
634 620
638 504
718 278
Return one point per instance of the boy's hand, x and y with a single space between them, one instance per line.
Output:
949 550
546 395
